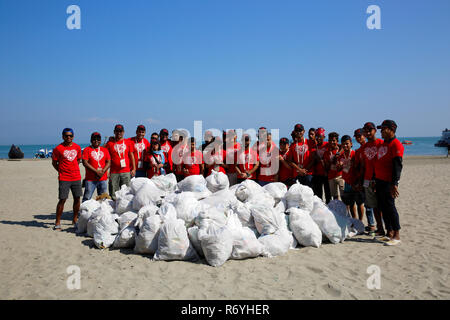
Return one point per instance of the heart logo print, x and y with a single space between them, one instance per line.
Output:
70 154
301 149
370 152
139 147
382 151
97 155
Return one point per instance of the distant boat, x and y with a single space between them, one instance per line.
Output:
445 139
15 153
407 142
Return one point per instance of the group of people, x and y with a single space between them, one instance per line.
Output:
365 179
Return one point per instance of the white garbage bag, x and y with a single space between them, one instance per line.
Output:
193 237
102 238
165 183
124 203
246 245
244 214
277 243
82 222
137 183
277 190
217 244
210 215
222 198
217 181
267 220
90 205
194 183
102 217
281 206
185 205
124 190
145 212
305 230
125 238
247 189
263 198
126 219
333 226
167 212
300 196
173 242
147 194
338 207
147 238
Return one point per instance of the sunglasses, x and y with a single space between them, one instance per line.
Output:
96 139
68 136
118 130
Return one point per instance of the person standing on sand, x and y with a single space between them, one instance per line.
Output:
96 160
123 166
320 176
140 145
300 157
388 169
65 159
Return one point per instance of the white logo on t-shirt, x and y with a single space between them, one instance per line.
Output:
70 154
301 149
382 151
370 152
97 155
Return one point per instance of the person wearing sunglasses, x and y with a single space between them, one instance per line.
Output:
123 166
140 145
96 160
65 159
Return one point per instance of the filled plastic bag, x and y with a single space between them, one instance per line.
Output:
338 207
277 190
126 219
147 194
166 183
185 205
125 238
305 230
102 238
357 227
173 242
145 212
167 212
104 218
267 220
277 243
333 226
193 237
210 215
217 244
194 183
247 189
147 238
246 245
222 198
217 181
90 205
244 214
124 203
300 196
137 183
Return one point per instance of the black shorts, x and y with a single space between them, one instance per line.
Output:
351 196
74 186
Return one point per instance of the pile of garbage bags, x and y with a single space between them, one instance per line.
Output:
200 217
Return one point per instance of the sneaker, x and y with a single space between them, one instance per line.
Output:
392 242
382 238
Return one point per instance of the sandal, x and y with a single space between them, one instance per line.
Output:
392 242
57 227
382 239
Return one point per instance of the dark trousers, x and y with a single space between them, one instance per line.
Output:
317 183
386 204
305 180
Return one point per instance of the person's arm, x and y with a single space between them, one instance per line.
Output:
397 163
254 168
133 165
55 164
88 166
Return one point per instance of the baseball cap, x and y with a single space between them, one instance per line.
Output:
299 127
95 135
164 131
388 124
67 130
284 141
369 126
140 127
320 132
118 127
358 132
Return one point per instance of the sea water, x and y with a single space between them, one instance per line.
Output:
421 146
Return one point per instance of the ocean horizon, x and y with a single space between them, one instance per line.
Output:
421 146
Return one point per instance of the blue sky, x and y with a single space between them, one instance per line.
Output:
231 64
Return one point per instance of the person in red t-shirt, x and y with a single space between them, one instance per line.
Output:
154 159
176 153
330 157
246 162
140 145
231 149
268 154
368 174
96 160
65 159
312 143
300 157
285 170
123 166
214 157
345 163
388 168
319 181
166 146
193 161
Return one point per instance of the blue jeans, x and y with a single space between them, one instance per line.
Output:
305 180
141 174
263 183
369 215
90 186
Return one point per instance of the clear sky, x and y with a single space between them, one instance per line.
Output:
232 64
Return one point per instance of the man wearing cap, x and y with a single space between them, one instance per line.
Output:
166 147
96 160
179 148
193 160
320 176
65 159
123 166
358 177
285 169
140 145
300 157
388 169
369 152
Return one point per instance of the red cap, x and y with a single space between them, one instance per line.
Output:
320 132
164 131
299 127
141 127
119 127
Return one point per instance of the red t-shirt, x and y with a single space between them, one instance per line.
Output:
213 161
312 145
329 157
67 157
139 148
176 155
319 169
346 160
167 148
193 161
152 170
299 154
118 151
283 172
267 171
96 158
387 151
369 151
230 154
246 161
358 163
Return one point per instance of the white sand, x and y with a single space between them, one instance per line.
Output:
34 258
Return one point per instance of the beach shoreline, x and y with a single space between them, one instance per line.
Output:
35 258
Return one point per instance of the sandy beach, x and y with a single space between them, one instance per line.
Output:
35 258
